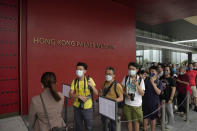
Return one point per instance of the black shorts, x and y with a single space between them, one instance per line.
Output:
150 111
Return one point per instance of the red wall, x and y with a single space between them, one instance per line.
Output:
9 57
78 20
24 79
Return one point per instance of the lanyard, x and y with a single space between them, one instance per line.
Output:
84 85
131 84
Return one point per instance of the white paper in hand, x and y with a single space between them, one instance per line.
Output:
66 90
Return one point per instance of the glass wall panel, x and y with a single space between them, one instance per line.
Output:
147 55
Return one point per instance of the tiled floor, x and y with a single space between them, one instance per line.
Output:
12 124
17 123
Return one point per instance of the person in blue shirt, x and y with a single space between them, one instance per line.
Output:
150 100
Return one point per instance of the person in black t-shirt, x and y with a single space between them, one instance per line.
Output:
169 89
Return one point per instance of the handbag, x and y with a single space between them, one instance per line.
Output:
51 128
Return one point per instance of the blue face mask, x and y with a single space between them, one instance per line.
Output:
152 74
190 68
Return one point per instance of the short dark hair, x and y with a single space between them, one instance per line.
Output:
133 64
153 67
166 66
110 68
162 65
85 66
142 72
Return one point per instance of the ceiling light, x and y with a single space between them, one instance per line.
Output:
185 41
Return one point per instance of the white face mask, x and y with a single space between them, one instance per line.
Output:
108 78
79 73
161 73
132 72
181 73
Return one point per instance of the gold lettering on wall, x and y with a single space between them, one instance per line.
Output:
69 43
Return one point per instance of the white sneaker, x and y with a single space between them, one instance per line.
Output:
169 127
182 114
175 108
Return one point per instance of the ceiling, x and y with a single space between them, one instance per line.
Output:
174 18
178 29
154 12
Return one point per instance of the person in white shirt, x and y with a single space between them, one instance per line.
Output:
134 88
160 71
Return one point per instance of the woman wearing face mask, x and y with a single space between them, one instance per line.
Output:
111 90
134 90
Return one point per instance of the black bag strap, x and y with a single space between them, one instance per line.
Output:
140 80
88 78
75 82
91 92
108 88
126 78
45 111
115 87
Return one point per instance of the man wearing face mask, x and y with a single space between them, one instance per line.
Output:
134 90
195 65
81 89
111 90
192 83
150 101
169 86
182 88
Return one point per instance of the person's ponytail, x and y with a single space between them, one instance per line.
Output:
53 92
47 79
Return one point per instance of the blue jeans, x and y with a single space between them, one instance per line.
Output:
111 123
83 116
